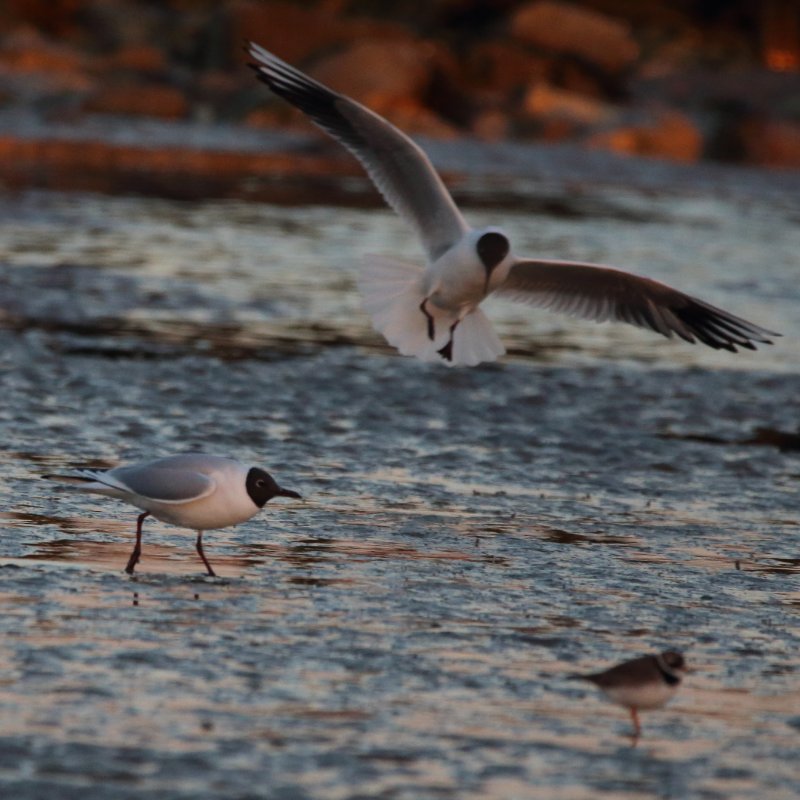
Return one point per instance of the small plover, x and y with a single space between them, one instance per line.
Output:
640 684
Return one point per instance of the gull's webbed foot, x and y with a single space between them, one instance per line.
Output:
446 352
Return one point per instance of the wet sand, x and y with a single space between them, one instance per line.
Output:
468 537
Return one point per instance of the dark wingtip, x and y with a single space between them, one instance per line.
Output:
247 47
719 329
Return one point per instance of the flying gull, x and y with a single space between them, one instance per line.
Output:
434 312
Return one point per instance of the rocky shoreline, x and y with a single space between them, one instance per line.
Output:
648 79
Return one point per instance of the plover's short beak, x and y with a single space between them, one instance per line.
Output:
288 493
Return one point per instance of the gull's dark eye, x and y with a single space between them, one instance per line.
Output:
260 483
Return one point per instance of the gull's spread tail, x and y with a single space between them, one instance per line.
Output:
475 340
393 294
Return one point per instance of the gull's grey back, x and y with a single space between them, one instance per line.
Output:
173 479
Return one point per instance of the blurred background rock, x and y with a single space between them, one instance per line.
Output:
677 79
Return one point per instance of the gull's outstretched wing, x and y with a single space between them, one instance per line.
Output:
397 166
601 293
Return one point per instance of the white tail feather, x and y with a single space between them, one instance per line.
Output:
89 480
475 341
393 292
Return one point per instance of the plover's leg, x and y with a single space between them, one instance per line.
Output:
429 317
137 550
637 728
446 352
203 555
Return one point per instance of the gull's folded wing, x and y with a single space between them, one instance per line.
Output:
164 485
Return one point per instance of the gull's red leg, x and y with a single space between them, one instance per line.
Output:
637 728
203 555
137 550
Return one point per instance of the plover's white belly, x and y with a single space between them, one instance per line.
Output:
642 697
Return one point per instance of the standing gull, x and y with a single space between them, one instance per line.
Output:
434 312
195 491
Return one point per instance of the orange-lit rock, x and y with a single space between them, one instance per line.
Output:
388 77
503 66
492 125
142 58
215 95
545 102
45 66
374 72
273 116
170 171
771 142
542 69
25 50
47 15
294 31
137 99
669 134
566 28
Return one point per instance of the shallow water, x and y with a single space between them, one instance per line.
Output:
467 538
